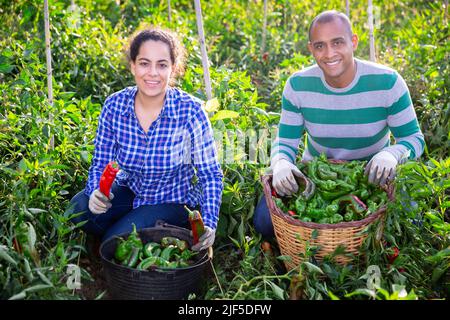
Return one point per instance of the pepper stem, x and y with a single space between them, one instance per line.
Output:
192 213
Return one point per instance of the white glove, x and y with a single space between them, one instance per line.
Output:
99 203
206 240
381 168
283 177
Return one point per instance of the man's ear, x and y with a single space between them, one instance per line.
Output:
355 41
310 47
132 68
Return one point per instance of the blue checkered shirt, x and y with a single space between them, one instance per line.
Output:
159 166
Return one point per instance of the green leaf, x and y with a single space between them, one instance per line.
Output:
6 68
312 267
31 236
278 292
332 296
36 210
224 114
285 258
212 105
19 296
5 256
365 292
23 165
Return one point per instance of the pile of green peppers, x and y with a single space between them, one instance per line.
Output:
171 252
342 193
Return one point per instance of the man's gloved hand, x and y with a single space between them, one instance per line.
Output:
283 177
381 168
206 240
99 203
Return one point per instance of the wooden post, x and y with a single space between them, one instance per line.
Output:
264 31
169 10
48 55
446 11
347 7
205 63
371 35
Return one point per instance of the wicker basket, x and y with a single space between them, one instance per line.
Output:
292 234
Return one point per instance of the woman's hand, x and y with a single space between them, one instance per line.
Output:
206 240
99 203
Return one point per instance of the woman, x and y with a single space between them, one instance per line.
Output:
161 138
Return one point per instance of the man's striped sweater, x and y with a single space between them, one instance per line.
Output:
349 123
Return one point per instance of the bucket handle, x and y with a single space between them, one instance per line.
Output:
164 225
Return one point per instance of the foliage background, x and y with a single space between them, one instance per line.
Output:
88 38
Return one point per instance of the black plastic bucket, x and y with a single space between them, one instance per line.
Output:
158 283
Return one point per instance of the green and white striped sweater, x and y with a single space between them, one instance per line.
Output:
348 123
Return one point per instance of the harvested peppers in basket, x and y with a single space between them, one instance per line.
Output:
197 226
108 176
169 252
342 193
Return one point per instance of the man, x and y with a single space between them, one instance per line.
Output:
347 107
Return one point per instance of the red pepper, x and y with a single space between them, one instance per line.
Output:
274 193
17 245
108 176
394 255
197 226
292 213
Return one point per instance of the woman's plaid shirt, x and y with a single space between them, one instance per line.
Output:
160 166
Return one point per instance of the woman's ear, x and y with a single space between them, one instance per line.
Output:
132 68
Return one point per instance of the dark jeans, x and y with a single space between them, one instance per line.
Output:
120 217
262 220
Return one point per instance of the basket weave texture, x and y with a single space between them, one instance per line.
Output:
293 235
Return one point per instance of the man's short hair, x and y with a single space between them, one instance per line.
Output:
328 16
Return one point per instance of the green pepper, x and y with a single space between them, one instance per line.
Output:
336 218
349 216
188 254
372 206
133 257
167 241
182 245
324 220
182 264
279 203
325 172
356 205
332 209
363 194
173 264
149 248
300 206
312 170
122 250
146 263
160 262
157 252
327 185
331 195
134 239
316 214
168 252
